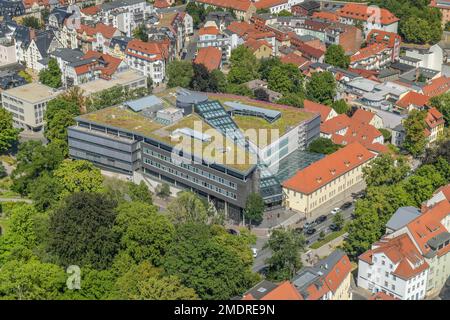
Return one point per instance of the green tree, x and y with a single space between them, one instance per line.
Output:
145 282
292 99
338 220
81 231
8 134
239 89
415 139
442 103
254 208
31 280
51 76
3 172
285 13
261 94
95 285
385 170
266 65
202 79
140 192
163 190
78 176
340 106
321 87
335 55
207 265
45 191
25 75
145 234
244 66
31 22
323 146
33 160
197 12
219 80
180 73
286 79
140 33
187 207
286 247
387 135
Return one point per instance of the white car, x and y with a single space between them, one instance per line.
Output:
335 210
255 252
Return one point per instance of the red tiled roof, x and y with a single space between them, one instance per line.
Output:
241 5
240 28
90 11
402 252
155 49
111 63
284 291
382 296
413 98
256 44
326 15
380 36
310 51
363 116
29 3
266 4
364 12
106 30
160 4
208 30
428 225
293 58
318 108
335 124
328 168
370 50
437 86
210 57
434 118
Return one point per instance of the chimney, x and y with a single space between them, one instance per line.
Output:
360 156
319 179
347 163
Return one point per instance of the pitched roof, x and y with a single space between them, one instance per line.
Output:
413 98
91 11
363 116
266 290
208 30
402 252
317 107
254 45
437 86
161 4
155 50
382 296
369 51
241 5
328 168
294 58
240 27
210 57
434 118
364 12
266 4
335 124
381 36
326 15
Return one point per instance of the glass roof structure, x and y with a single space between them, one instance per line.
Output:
246 110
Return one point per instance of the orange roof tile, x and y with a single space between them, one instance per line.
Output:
29 3
254 45
326 15
413 98
156 51
284 291
382 296
328 168
434 118
363 12
335 124
437 86
208 30
240 27
363 116
381 36
241 5
90 11
210 57
369 51
294 58
161 4
266 4
318 108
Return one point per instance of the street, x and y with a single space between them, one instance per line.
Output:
264 254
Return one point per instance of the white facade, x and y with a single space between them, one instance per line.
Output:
7 52
379 276
153 69
370 25
431 58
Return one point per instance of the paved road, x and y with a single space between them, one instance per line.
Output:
15 200
264 254
191 47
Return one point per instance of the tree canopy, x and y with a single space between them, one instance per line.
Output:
335 55
415 139
8 134
51 76
323 146
321 87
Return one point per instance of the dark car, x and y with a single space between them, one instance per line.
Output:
334 227
346 205
310 231
233 232
321 219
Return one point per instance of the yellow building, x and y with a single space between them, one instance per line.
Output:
326 179
260 48
435 125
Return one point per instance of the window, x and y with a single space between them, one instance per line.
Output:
393 287
386 274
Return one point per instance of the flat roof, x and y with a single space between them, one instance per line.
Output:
121 78
33 92
144 102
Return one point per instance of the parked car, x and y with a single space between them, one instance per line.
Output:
335 210
346 205
334 227
255 252
310 231
321 219
233 232
308 225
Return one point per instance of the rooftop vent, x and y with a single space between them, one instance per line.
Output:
262 289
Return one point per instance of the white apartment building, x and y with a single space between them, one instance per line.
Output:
431 58
7 52
395 267
28 104
148 58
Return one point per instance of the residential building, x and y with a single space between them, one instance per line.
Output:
261 48
149 58
369 17
395 267
212 37
39 46
266 290
428 57
326 179
210 57
260 84
373 57
413 100
444 8
27 104
436 87
390 39
329 279
7 51
11 8
118 46
243 9
435 125
326 112
305 8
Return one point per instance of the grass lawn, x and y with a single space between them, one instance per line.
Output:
328 238
8 159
